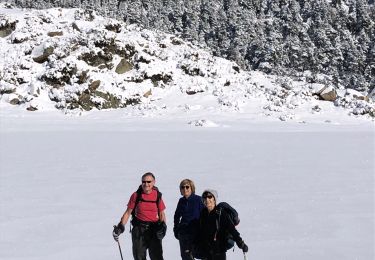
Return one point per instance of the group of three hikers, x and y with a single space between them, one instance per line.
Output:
202 231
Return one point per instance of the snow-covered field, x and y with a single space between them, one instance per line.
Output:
303 191
299 170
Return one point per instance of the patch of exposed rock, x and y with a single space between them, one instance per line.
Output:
7 25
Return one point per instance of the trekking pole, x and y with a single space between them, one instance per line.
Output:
244 256
119 247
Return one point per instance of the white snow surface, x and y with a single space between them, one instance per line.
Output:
303 191
301 178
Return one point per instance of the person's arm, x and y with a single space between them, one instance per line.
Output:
162 217
125 217
231 228
120 228
161 208
234 232
129 209
176 219
177 214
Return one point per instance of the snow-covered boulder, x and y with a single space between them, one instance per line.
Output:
33 106
6 88
41 52
328 94
19 37
14 99
358 103
203 123
7 25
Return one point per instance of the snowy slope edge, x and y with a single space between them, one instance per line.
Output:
71 59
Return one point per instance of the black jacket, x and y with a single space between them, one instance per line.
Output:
212 240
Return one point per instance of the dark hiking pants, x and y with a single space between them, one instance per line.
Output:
186 246
143 237
219 256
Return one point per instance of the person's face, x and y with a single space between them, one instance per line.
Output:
209 201
185 190
147 184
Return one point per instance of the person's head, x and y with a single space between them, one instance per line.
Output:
210 198
148 182
187 187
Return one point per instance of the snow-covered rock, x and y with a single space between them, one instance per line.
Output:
7 25
329 94
203 123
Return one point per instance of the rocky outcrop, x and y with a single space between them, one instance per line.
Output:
98 59
7 26
101 100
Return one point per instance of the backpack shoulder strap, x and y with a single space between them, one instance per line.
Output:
158 198
218 217
137 199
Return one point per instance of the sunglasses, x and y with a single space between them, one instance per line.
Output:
185 187
146 182
207 196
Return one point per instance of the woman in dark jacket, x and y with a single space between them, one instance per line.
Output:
213 227
186 218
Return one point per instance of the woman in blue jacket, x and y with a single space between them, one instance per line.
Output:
186 218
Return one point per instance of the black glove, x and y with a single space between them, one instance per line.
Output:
161 230
117 230
175 232
243 246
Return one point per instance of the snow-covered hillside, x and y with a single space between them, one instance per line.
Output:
77 61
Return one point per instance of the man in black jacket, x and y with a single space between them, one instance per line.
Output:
212 238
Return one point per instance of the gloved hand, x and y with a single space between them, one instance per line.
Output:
117 230
243 246
175 232
161 230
